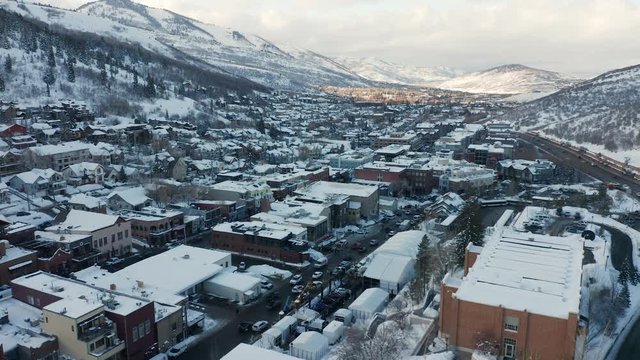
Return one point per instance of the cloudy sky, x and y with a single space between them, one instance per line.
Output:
580 37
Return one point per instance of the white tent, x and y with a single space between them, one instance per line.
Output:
333 331
310 345
233 286
368 303
391 271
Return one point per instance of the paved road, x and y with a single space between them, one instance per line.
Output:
569 158
226 335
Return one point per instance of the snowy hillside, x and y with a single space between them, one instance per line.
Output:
43 64
383 71
602 111
509 79
245 55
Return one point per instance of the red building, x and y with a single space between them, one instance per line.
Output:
7 131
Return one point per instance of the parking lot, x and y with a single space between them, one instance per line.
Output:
230 316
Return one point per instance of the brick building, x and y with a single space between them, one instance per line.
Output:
274 241
521 293
15 262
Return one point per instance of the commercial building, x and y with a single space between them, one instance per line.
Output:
354 200
156 226
15 262
274 241
537 171
521 292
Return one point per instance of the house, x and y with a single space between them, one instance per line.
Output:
10 162
15 262
84 173
8 131
86 202
111 235
521 292
35 181
537 171
130 199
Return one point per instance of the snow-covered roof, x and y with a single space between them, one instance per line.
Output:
178 269
247 351
310 341
85 221
388 267
77 298
236 281
45 150
404 243
324 189
370 300
523 271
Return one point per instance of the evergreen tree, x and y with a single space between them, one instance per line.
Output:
423 270
135 79
623 299
122 174
2 87
470 230
103 76
625 272
150 88
8 65
51 58
260 126
49 79
71 73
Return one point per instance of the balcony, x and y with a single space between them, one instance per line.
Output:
90 334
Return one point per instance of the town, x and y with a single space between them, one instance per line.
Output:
310 226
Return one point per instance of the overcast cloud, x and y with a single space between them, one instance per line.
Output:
579 37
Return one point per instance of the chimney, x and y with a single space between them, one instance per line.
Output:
4 245
112 287
140 283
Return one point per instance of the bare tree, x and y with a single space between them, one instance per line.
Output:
387 343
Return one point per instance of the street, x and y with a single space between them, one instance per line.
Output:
226 334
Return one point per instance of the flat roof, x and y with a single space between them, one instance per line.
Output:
178 269
84 221
323 189
247 351
523 271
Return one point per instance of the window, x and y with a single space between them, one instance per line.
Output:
95 243
113 238
30 300
141 330
135 333
509 348
174 326
511 323
147 327
126 233
120 235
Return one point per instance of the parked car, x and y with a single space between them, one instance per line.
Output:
260 326
296 279
317 284
242 266
373 242
113 261
391 233
320 264
266 284
297 289
177 350
341 244
317 275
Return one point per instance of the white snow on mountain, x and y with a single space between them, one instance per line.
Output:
246 55
509 79
602 111
376 69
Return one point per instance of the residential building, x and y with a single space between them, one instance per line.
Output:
84 173
130 199
537 171
57 157
249 192
38 181
111 235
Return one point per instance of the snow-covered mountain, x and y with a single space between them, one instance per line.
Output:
603 111
44 63
379 70
510 79
246 55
